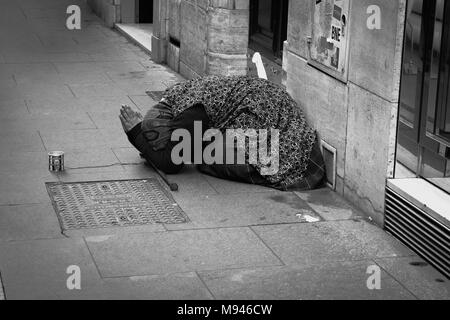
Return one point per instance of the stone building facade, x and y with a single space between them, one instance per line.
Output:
200 37
354 112
357 115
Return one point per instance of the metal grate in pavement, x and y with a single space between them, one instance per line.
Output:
119 203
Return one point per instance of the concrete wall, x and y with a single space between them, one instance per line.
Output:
357 117
199 37
114 11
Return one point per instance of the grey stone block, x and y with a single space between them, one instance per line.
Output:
330 205
244 209
325 281
418 277
179 251
301 244
28 222
37 269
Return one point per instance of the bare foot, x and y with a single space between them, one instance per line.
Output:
129 118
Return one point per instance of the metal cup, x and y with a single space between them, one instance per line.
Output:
56 161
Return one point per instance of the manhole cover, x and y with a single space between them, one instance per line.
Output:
155 95
102 204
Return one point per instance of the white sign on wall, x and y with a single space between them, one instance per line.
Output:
329 42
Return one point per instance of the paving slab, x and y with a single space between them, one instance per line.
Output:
136 87
29 222
11 109
18 141
181 286
114 55
24 56
178 252
42 90
330 205
232 187
47 25
87 68
59 121
36 13
11 93
325 281
97 90
418 277
58 43
190 182
219 211
92 160
24 188
105 232
143 102
300 244
93 174
110 105
128 156
53 105
107 120
144 75
83 79
22 71
22 162
72 140
37 269
7 82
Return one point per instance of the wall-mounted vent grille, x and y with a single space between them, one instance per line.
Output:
418 230
330 157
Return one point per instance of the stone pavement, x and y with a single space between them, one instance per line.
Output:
61 89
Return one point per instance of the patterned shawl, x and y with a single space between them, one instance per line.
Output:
242 102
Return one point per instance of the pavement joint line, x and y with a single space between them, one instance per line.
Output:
306 202
227 227
42 140
205 285
212 187
14 241
92 258
194 271
27 106
92 120
20 204
115 155
15 80
292 266
245 226
395 279
73 93
267 246
2 289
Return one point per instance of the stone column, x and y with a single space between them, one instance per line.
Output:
227 37
159 37
213 37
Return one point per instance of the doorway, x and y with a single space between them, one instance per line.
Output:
268 27
423 148
144 11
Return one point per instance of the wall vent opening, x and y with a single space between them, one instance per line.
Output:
330 157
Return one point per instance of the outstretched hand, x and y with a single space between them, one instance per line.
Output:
129 118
